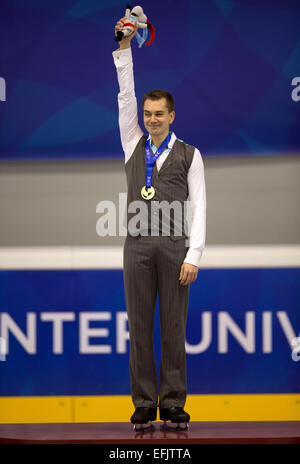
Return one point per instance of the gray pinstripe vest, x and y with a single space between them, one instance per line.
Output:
165 214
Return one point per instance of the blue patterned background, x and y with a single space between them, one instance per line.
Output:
234 291
229 65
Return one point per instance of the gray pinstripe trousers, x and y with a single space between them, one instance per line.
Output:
151 265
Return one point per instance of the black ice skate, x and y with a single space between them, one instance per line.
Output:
178 418
142 418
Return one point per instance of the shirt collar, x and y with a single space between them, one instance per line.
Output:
171 142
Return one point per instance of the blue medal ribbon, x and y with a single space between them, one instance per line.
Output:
150 160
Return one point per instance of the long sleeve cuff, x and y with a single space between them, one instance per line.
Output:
193 256
122 57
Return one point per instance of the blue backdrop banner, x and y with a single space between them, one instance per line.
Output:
66 332
232 66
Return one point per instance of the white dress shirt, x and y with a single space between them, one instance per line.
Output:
131 133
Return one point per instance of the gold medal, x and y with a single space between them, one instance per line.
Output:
148 192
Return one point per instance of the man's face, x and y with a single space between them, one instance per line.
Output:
157 118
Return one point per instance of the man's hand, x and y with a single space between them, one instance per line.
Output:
125 42
188 274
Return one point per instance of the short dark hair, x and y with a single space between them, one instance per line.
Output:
157 94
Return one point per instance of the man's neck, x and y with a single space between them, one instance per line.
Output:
157 141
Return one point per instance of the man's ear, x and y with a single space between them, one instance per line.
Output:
173 116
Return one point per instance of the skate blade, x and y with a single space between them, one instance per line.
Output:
181 426
143 427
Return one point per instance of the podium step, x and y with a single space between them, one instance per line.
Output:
282 432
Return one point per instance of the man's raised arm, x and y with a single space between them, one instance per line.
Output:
130 130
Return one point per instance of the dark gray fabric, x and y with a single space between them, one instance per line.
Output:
152 265
170 184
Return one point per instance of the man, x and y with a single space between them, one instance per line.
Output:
153 260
